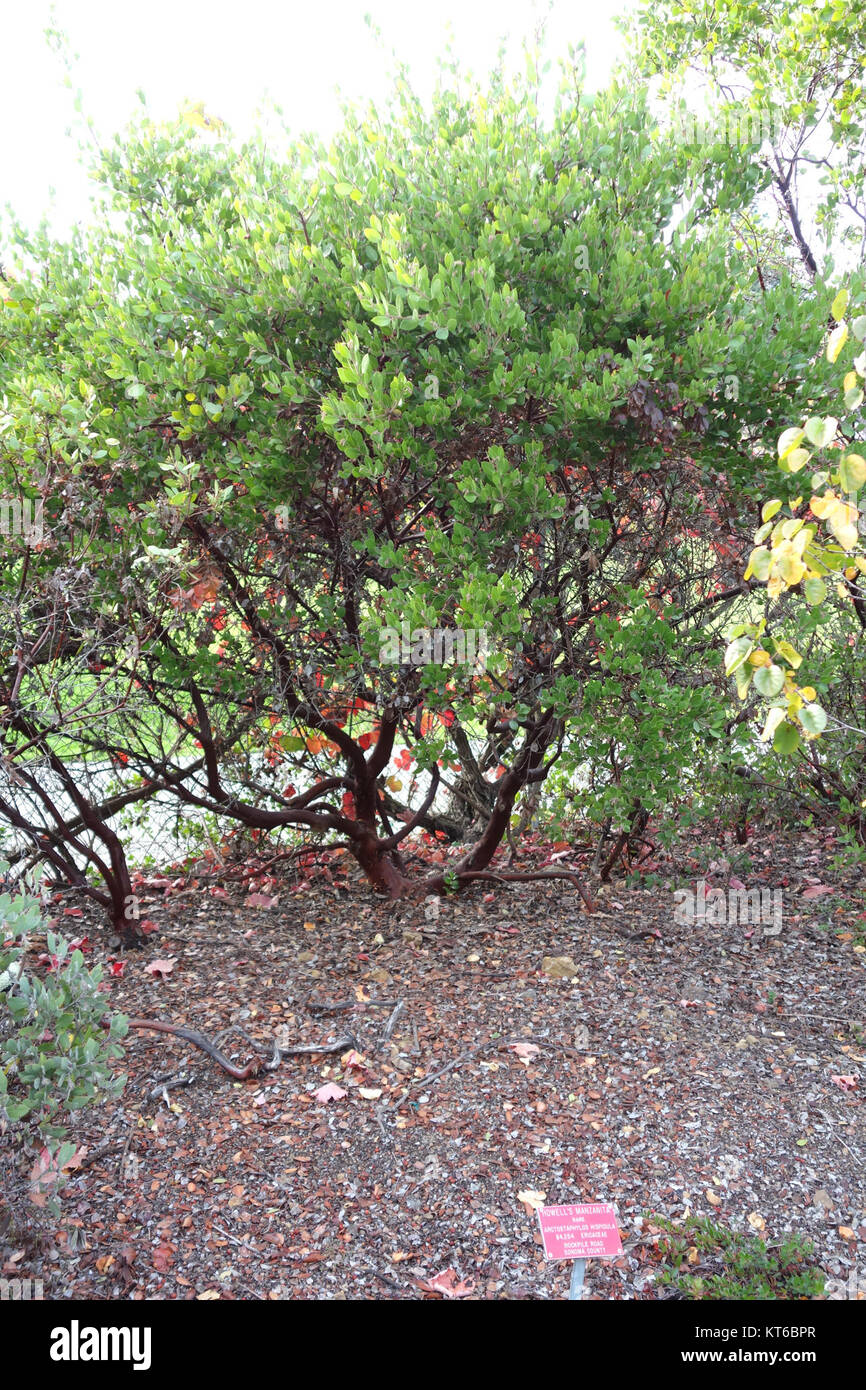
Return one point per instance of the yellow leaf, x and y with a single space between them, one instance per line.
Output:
838 339
843 524
791 568
797 459
839 305
822 507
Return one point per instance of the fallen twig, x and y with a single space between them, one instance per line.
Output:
171 1083
198 1040
390 1025
449 1066
503 876
234 1239
309 1050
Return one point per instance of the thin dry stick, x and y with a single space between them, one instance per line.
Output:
390 1025
449 1066
228 1235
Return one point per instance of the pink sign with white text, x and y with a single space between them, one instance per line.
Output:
587 1231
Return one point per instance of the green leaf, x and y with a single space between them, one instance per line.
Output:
786 739
813 718
290 743
769 680
815 590
736 653
789 440
760 562
852 472
821 432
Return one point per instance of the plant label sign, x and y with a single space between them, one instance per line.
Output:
587 1231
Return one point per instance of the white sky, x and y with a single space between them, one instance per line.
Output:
234 57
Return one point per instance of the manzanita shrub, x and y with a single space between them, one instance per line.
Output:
293 415
56 1055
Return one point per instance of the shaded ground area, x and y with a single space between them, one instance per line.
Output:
712 1069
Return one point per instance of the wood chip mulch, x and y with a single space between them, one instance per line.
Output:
707 1069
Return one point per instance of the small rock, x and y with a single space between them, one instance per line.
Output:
823 1199
559 967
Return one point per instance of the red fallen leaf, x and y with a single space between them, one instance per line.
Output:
330 1091
524 1049
355 1059
163 1257
72 912
147 925
690 1003
161 967
817 891
447 1284
489 897
737 883
44 1176
217 892
260 900
80 943
845 1083
116 967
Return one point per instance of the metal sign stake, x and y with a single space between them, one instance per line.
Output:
576 1288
